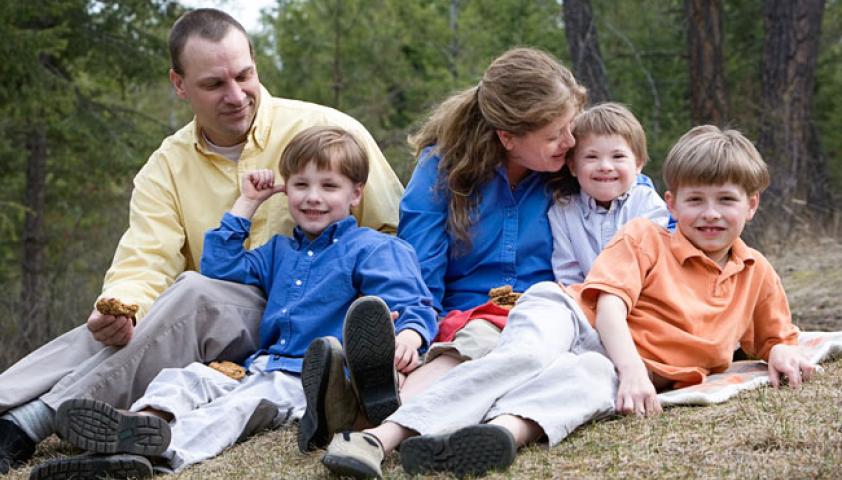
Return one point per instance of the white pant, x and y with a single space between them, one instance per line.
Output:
549 367
212 411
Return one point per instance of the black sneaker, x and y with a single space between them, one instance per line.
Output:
100 428
331 404
15 446
472 450
369 338
93 467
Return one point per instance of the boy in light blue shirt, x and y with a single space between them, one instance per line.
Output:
311 280
603 192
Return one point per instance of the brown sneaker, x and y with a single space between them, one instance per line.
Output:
354 454
100 428
369 338
331 404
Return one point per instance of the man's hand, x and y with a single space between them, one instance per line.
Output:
636 395
407 343
789 361
109 330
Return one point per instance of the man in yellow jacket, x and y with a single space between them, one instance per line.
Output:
179 194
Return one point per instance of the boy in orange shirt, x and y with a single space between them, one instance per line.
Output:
669 309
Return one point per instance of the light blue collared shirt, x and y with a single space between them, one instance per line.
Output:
581 228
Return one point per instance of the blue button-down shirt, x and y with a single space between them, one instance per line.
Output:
311 284
581 228
511 242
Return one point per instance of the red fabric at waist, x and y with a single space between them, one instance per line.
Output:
457 319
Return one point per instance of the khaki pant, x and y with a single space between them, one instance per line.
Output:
196 320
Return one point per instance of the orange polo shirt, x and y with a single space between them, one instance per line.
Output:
686 314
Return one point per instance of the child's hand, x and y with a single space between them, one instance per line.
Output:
407 343
259 185
636 395
789 360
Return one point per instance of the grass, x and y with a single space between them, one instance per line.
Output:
764 433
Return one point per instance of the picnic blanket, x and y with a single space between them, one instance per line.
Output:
750 374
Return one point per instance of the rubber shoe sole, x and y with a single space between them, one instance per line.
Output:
323 381
472 450
369 338
100 428
93 467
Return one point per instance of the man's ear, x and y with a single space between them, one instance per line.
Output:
753 204
177 82
507 139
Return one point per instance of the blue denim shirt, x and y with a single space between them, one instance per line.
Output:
311 284
511 242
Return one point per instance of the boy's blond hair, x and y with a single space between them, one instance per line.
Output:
329 147
612 119
706 155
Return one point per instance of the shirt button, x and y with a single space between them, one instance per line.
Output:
298 282
283 310
335 240
309 253
283 342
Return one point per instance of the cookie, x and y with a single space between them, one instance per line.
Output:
229 369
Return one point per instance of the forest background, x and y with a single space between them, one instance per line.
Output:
84 100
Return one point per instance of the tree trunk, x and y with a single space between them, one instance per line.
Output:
788 138
708 101
584 49
33 311
337 55
454 48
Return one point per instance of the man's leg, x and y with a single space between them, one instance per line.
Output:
196 320
38 372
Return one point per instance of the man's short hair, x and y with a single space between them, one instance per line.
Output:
207 23
329 147
612 119
706 155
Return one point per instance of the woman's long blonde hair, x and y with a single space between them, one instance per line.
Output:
522 90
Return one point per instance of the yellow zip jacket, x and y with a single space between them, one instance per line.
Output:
184 189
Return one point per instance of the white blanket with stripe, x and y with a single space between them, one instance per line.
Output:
750 374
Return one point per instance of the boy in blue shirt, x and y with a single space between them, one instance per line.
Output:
311 279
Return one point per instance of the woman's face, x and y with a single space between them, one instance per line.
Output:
541 150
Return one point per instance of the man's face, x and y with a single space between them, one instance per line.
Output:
220 83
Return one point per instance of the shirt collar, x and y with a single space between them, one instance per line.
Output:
328 237
589 205
530 176
683 250
258 133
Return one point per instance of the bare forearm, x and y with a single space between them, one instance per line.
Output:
245 207
611 323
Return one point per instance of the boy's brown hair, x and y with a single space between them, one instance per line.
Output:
612 119
706 155
329 147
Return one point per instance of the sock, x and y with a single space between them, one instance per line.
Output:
34 418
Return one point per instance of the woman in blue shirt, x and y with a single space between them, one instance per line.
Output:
476 207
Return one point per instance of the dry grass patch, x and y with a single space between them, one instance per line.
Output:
765 433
